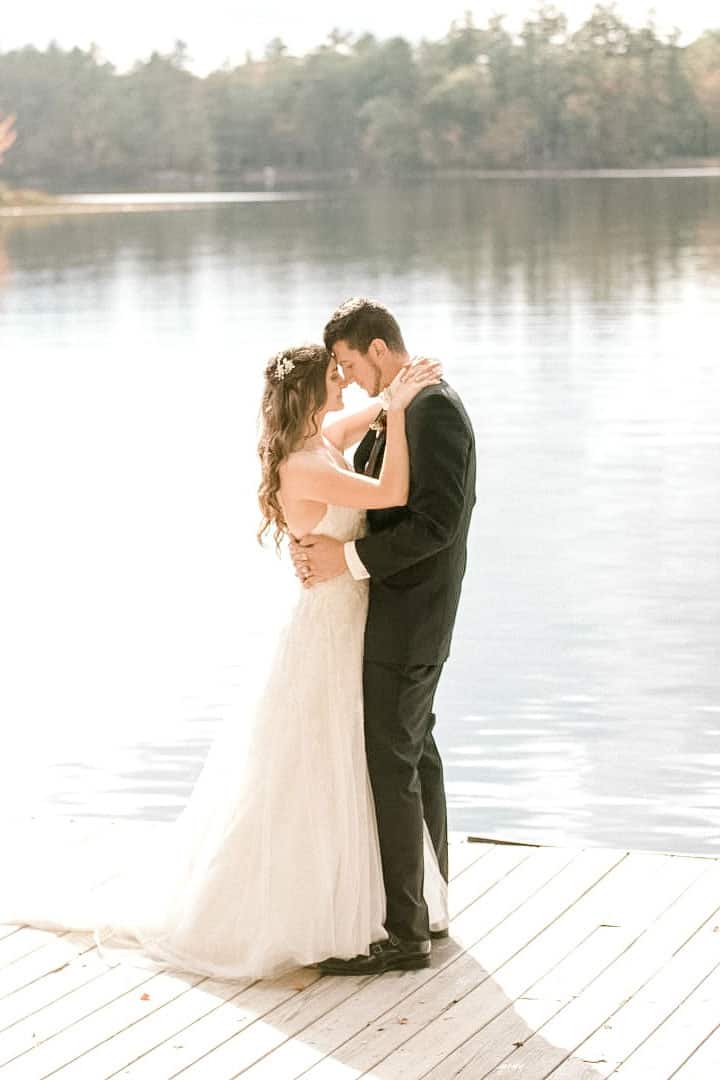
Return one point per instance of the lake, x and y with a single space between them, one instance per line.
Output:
578 318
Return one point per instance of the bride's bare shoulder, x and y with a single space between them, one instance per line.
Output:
317 459
300 461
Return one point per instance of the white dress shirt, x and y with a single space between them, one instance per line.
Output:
353 561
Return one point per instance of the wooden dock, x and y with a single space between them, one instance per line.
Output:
570 964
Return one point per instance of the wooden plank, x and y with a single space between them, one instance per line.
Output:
479 1031
176 1021
379 1003
56 1053
258 1039
22 942
135 1039
57 953
595 962
7 929
75 1012
461 855
52 987
50 952
677 978
544 1026
539 910
506 1023
503 864
530 898
153 1060
704 1064
679 1037
214 1029
481 877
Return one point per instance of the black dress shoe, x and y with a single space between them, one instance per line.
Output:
390 955
438 935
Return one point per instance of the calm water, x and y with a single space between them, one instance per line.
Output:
578 318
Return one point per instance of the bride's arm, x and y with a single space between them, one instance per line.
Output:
350 429
311 477
317 479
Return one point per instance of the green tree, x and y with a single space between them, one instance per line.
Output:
324 113
456 111
239 118
545 85
607 94
701 65
163 125
63 102
511 139
391 137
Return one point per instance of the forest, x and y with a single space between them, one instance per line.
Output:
605 95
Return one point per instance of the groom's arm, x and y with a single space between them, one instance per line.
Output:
439 444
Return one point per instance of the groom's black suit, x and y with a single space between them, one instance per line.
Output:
416 557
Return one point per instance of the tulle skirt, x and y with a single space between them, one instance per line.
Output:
275 861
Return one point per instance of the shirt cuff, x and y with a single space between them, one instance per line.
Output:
354 563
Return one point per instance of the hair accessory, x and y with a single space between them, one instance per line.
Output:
283 365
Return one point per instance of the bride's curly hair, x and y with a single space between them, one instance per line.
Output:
294 391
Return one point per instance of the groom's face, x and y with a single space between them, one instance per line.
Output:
360 368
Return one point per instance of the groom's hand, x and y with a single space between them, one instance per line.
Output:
317 558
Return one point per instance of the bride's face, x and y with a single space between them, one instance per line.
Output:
334 385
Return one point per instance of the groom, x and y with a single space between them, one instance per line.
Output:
415 558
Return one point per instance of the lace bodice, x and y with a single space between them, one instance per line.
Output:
342 523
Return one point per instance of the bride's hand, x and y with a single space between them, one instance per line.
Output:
411 379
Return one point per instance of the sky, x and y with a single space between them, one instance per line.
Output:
217 31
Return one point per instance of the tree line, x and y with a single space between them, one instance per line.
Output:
606 95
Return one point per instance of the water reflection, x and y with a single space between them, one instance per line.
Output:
4 260
146 781
606 236
582 703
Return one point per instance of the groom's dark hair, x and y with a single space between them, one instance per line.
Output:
358 322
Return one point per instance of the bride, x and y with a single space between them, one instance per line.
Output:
274 862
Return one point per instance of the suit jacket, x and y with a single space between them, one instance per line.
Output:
416 554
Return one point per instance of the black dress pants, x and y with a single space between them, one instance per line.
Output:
407 780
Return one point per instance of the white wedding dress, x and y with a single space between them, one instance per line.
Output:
274 862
